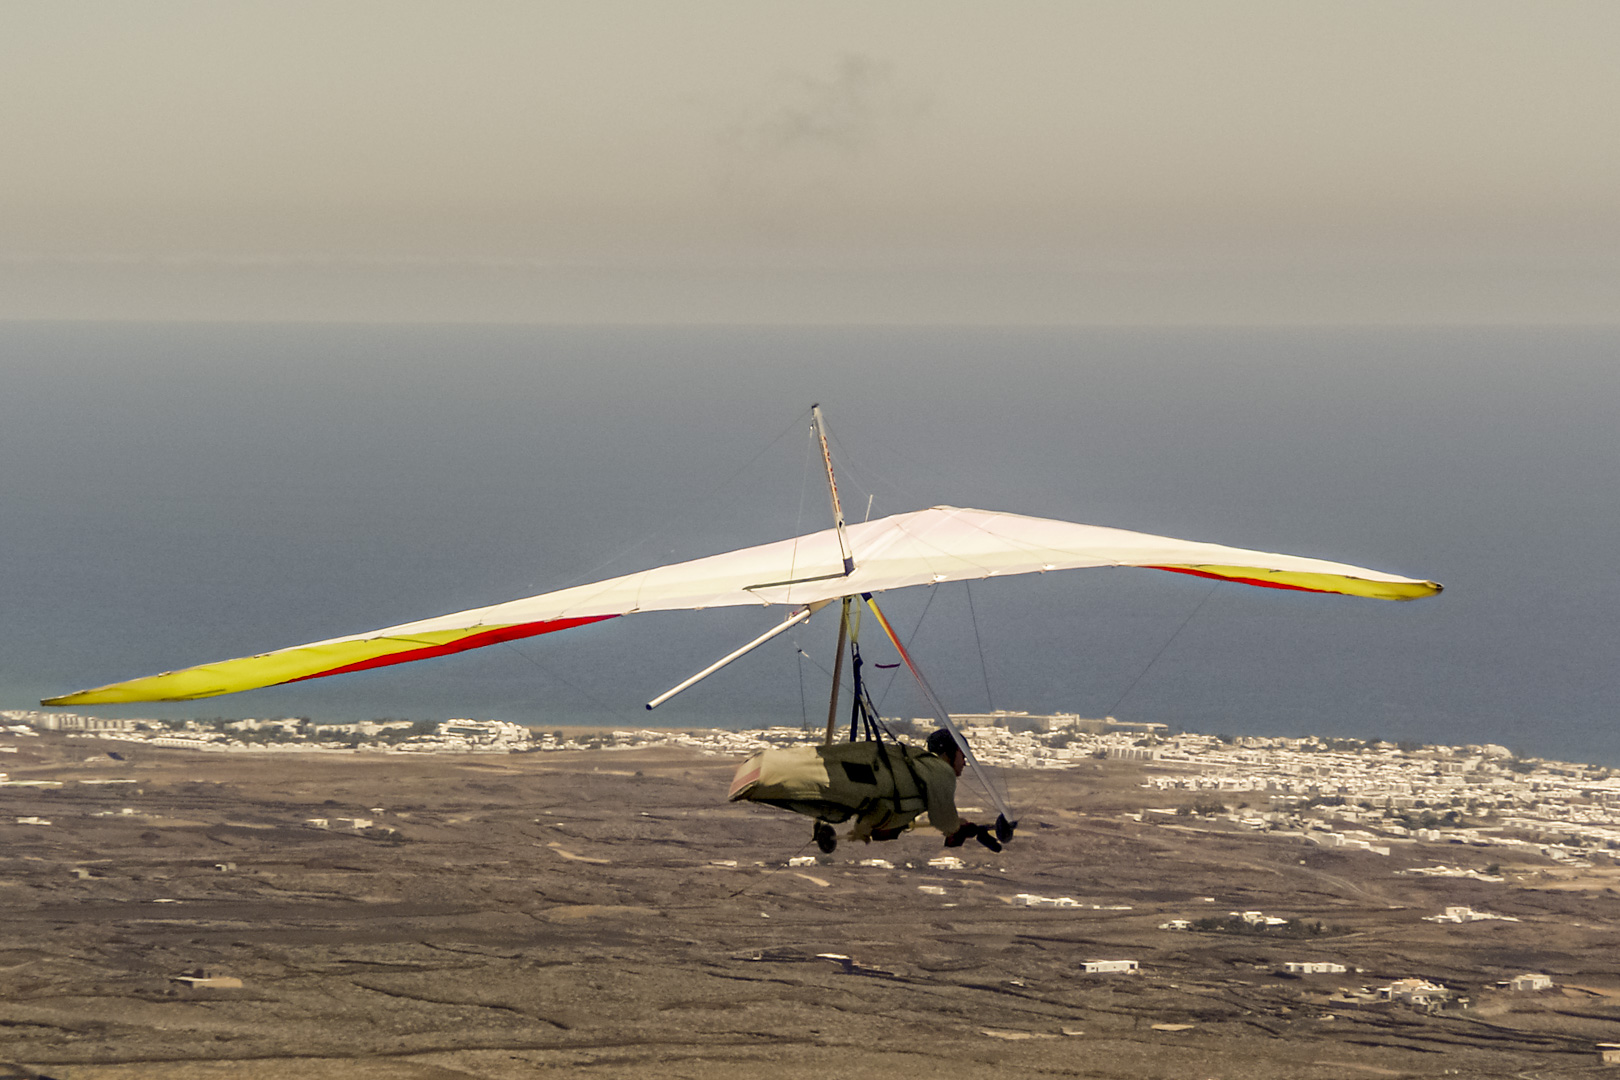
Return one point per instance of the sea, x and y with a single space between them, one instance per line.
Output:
172 494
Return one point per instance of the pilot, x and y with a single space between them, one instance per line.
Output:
941 793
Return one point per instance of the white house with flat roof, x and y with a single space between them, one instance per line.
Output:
1109 967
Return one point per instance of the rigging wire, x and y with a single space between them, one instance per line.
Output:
798 647
1162 648
804 488
813 661
798 530
852 471
601 704
984 673
648 538
853 475
993 785
804 706
699 500
984 669
911 637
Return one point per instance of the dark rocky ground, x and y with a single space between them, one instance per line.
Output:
572 914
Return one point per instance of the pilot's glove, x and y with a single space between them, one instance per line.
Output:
960 836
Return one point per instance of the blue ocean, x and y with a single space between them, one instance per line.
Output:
174 494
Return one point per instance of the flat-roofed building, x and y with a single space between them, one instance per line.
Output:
1111 967
74 722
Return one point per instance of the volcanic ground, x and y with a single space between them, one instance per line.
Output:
608 914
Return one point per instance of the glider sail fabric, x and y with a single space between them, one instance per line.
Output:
337 657
941 544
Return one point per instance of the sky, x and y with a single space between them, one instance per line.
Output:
175 494
1251 162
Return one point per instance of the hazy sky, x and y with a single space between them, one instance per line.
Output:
755 161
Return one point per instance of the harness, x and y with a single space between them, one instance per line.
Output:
865 723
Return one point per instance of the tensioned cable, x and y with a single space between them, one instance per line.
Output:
984 670
813 661
798 530
804 487
1168 641
798 647
992 785
589 576
604 706
984 673
804 705
911 637
854 477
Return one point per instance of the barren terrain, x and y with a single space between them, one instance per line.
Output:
607 914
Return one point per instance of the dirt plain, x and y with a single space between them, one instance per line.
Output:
607 914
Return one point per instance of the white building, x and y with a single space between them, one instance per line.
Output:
493 733
1414 992
289 727
1467 915
1108 967
74 722
1313 967
1531 981
1031 900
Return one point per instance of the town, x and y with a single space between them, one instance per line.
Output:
1336 792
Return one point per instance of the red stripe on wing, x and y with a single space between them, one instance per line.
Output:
471 641
1261 583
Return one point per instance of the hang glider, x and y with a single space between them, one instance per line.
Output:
925 547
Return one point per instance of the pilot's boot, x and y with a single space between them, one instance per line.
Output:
826 839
